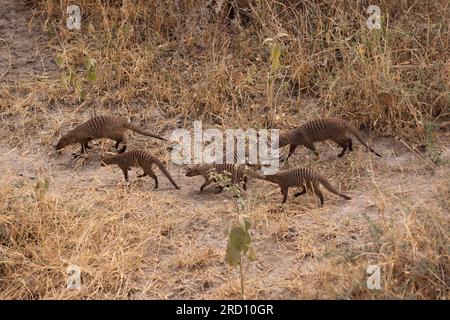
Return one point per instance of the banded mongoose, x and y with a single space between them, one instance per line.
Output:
138 158
334 129
237 172
299 177
101 127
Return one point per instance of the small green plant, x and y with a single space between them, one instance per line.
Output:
239 240
224 180
276 52
70 77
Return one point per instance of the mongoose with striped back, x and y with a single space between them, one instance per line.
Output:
101 127
138 158
237 173
307 178
334 129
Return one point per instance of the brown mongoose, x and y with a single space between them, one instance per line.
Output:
101 127
334 129
299 177
238 173
138 158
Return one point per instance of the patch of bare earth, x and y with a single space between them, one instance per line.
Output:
23 48
187 230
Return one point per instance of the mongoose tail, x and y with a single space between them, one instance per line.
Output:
358 136
328 186
166 173
135 128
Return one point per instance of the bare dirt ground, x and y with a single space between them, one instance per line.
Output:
186 256
184 231
23 51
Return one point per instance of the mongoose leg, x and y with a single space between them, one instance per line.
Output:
344 148
319 194
86 145
83 147
311 147
125 173
245 184
204 185
152 174
156 180
300 193
292 148
342 143
350 144
284 191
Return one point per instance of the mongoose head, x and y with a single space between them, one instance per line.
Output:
283 140
104 161
64 141
193 171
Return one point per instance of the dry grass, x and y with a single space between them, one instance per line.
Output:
170 63
195 63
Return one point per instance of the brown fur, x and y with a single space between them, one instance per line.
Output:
238 173
139 158
100 127
334 129
307 178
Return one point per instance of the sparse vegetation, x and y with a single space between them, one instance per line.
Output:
238 246
261 64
